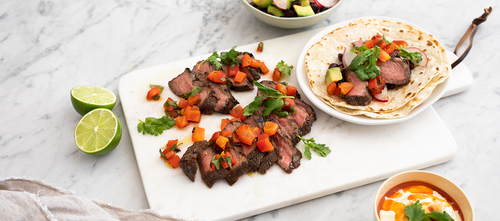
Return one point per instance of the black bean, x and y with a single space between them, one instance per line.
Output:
289 13
296 3
340 56
315 7
333 65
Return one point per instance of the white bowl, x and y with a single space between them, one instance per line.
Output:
294 22
303 80
431 178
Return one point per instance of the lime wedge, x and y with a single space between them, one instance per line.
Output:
98 132
87 98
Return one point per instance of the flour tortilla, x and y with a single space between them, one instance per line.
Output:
401 100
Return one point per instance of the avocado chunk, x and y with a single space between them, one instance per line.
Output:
303 11
275 11
305 3
333 75
263 3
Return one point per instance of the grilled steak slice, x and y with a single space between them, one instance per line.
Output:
225 100
246 85
359 95
239 168
268 160
188 160
288 125
253 154
183 83
302 118
395 71
307 107
204 158
252 73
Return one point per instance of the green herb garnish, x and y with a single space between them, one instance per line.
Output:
216 162
155 126
154 85
194 91
321 149
229 58
274 101
284 68
414 212
412 56
365 63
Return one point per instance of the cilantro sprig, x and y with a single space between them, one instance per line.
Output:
155 126
284 68
228 58
365 63
194 91
274 101
414 212
321 149
415 57
217 162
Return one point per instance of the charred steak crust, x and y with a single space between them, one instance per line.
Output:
225 100
268 160
359 95
204 158
188 160
246 85
239 168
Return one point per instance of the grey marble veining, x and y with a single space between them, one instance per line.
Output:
48 47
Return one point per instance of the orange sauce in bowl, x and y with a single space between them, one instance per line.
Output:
394 202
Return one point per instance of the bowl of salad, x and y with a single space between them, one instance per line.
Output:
291 13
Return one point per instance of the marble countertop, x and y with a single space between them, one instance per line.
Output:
48 47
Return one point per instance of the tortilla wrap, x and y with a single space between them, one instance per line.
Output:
401 100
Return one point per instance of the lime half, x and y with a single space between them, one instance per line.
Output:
87 98
98 132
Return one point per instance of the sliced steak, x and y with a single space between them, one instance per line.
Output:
359 95
395 71
188 160
246 85
252 73
239 168
253 154
268 160
225 100
204 158
288 125
302 118
183 83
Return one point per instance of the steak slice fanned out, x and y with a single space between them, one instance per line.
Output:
252 73
183 83
395 71
246 85
359 95
239 168
268 160
302 118
225 100
290 155
204 158
188 160
253 154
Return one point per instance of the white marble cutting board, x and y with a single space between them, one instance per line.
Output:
360 154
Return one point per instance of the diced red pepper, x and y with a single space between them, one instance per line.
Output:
198 134
168 153
240 77
193 116
281 88
153 94
225 133
331 88
183 103
345 87
228 154
265 145
171 143
290 90
264 69
390 48
369 44
174 161
238 113
219 77
245 134
337 90
255 130
211 76
215 136
255 63
194 100
270 128
223 123
233 70
289 104
234 138
276 74
222 142
260 46
401 43
235 119
263 136
181 122
376 36
245 62
376 85
384 56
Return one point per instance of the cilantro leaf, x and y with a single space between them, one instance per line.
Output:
213 60
284 68
414 212
229 58
271 105
253 106
321 149
438 216
266 90
163 155
154 85
365 63
215 162
155 126
414 57
194 91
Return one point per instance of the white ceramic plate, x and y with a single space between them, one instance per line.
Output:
358 119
